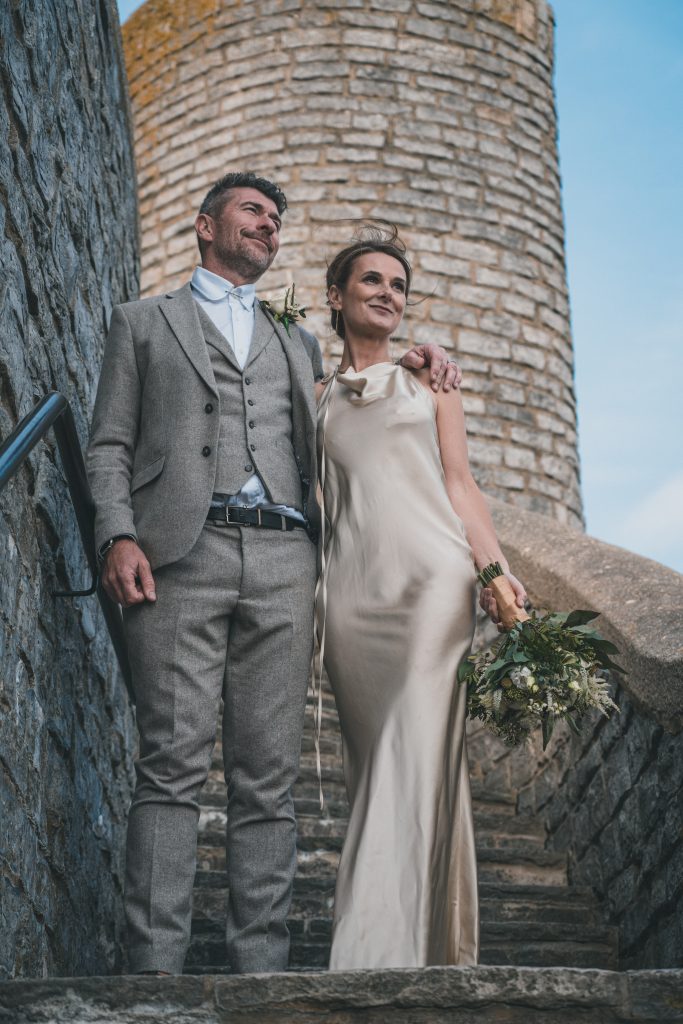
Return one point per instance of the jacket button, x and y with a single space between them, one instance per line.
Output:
247 380
252 424
206 451
253 447
208 407
250 401
249 468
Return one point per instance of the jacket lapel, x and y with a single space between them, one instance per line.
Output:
263 332
303 390
181 313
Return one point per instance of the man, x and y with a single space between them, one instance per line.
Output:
202 466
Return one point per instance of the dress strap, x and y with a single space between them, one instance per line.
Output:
321 592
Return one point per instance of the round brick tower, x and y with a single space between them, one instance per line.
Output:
438 116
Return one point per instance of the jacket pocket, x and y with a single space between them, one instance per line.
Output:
143 476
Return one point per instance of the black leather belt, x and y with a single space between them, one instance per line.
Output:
233 515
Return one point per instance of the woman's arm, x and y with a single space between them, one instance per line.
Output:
466 498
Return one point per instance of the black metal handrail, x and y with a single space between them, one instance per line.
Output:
54 411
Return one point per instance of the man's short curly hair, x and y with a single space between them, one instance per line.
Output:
217 196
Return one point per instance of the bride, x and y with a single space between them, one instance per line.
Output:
405 527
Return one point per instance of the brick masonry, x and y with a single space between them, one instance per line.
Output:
437 115
68 252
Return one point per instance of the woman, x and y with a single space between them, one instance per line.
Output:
406 525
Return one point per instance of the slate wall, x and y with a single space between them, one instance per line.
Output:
68 252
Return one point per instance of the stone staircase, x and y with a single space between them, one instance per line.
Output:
530 915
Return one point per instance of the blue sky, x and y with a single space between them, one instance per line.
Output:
619 80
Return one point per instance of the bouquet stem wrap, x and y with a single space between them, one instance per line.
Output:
508 609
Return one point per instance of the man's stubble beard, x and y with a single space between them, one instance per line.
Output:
243 261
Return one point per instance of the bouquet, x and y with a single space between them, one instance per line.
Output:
544 669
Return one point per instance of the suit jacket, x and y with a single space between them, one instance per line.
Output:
145 461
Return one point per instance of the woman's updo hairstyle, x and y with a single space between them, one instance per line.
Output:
369 238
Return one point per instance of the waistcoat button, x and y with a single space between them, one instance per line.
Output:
206 451
252 424
249 468
247 380
250 401
253 447
208 407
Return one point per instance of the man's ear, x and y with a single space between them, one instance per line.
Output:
204 226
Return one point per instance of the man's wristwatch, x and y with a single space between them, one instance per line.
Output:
102 551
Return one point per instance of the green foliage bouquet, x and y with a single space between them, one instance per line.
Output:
545 669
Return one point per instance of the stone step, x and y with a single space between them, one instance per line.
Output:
521 864
502 944
492 828
435 995
311 916
209 905
314 895
211 857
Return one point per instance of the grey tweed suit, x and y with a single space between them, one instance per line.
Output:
233 615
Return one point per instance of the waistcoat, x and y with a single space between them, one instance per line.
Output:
255 407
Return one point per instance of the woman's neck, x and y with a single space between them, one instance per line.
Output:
363 352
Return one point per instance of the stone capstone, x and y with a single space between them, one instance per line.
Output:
435 995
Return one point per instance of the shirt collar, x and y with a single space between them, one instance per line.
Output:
213 288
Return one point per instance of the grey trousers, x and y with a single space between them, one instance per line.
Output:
232 619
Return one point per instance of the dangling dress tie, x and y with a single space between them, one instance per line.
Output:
321 595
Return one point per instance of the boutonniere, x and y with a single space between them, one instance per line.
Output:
286 312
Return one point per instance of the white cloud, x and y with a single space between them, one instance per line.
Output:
654 526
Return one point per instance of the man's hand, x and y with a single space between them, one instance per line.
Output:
126 574
444 372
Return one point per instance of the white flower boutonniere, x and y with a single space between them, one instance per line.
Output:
287 312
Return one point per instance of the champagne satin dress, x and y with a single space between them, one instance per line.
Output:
397 602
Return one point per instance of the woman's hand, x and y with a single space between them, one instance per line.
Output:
488 602
443 370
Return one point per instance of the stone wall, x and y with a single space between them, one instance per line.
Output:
611 797
439 116
68 252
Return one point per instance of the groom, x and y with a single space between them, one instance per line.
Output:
202 466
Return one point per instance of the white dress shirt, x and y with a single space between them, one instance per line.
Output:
231 310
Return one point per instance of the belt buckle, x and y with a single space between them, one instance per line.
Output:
231 510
